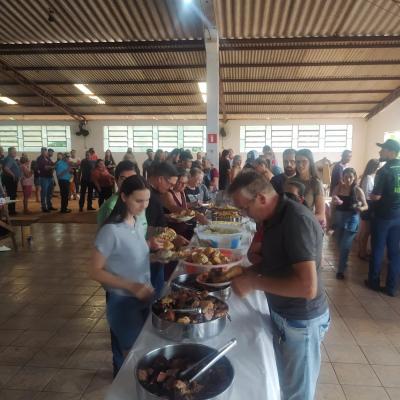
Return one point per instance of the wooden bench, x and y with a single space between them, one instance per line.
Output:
23 222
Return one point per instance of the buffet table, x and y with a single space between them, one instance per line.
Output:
253 358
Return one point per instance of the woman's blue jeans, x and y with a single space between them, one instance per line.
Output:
126 316
346 227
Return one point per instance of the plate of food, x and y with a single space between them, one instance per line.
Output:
169 250
219 277
211 257
183 216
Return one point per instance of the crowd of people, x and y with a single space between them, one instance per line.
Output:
289 206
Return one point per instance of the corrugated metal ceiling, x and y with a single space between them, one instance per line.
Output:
306 18
97 21
158 22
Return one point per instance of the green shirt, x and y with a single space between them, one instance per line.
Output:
106 208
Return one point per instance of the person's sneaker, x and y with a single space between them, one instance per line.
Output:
67 211
340 276
45 210
80 209
52 209
384 289
91 209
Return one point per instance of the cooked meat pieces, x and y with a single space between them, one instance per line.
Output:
164 381
184 320
183 299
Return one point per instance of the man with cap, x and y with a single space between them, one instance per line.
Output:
385 223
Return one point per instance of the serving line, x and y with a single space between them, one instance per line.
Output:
253 358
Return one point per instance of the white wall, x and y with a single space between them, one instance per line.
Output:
387 120
95 139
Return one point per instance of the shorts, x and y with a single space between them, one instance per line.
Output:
366 215
27 190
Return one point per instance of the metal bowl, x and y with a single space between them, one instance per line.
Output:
196 351
177 332
188 281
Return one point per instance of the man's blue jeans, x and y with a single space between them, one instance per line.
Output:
298 354
346 226
46 190
385 232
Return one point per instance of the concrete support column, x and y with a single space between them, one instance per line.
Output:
212 60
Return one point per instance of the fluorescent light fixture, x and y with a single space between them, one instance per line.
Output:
97 99
7 100
83 88
204 97
202 87
186 2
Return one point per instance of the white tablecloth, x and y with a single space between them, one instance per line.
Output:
253 358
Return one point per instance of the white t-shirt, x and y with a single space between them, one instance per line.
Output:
367 185
127 253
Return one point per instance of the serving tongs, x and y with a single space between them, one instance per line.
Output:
193 372
194 310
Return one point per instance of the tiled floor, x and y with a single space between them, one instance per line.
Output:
54 342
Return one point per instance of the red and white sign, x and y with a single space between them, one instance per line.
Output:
212 138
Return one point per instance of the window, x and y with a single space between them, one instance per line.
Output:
142 138
395 135
165 137
31 138
333 138
194 138
8 136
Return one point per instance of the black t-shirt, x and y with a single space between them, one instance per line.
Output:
277 181
291 236
155 211
387 185
224 167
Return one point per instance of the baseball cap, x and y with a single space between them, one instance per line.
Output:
391 145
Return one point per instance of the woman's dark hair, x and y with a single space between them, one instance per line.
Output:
159 154
182 172
98 161
370 168
130 185
309 155
224 154
353 194
111 156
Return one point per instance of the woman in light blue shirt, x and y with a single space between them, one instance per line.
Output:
121 264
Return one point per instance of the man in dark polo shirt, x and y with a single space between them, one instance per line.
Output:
162 177
289 274
289 167
385 222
